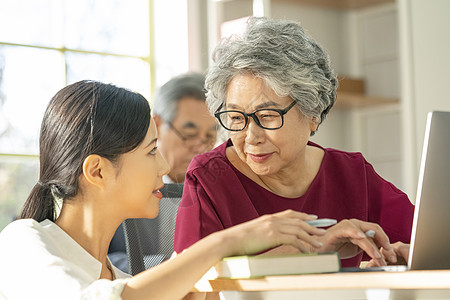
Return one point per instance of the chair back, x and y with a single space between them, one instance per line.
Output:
149 242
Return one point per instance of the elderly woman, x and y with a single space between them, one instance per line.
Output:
271 89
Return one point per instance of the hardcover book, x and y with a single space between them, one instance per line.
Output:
265 265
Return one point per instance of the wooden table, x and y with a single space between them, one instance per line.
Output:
356 285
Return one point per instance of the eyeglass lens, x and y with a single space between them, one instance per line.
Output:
194 140
236 120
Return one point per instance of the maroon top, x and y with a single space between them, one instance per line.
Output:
217 196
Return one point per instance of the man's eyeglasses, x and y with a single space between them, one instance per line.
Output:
194 140
267 118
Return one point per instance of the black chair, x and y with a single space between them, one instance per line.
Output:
149 242
117 252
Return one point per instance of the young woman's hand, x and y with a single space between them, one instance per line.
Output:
287 227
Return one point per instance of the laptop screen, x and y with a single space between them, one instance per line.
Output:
430 239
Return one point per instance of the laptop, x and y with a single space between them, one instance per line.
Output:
430 238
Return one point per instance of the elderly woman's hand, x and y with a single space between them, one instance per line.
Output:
401 251
283 228
348 238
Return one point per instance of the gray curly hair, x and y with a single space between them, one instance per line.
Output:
287 59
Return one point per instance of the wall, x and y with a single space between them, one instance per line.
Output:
425 65
197 22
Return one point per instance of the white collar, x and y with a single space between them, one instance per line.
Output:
71 250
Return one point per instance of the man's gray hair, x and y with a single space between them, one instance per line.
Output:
165 103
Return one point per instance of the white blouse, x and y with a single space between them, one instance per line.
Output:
41 261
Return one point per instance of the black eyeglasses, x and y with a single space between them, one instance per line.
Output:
267 118
192 141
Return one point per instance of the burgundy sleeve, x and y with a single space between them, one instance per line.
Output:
196 217
389 207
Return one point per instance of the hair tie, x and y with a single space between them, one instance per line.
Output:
42 184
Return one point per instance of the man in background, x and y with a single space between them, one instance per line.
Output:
185 126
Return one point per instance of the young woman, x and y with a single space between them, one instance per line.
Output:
99 165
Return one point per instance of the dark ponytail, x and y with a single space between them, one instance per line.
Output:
42 209
84 118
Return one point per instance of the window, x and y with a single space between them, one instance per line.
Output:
48 44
